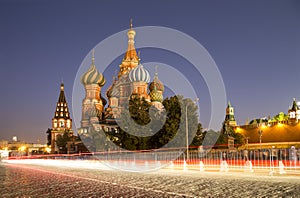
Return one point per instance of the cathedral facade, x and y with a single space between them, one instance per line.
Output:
133 80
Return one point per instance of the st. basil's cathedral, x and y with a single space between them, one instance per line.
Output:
133 80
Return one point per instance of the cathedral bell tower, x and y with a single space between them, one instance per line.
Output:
61 122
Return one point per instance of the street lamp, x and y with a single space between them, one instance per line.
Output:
260 132
247 141
187 130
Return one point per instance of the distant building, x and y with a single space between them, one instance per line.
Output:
17 148
61 122
294 113
281 131
229 118
3 144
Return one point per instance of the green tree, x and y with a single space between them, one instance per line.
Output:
239 139
228 130
139 110
280 117
172 131
48 132
61 141
198 139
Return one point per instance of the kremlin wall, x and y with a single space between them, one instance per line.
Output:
281 131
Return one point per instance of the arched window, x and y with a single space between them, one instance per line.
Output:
55 123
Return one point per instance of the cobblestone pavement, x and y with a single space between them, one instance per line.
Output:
48 181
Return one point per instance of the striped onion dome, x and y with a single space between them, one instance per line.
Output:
155 95
139 74
92 76
109 91
111 88
156 83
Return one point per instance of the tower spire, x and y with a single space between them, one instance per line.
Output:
139 57
61 122
156 73
93 56
131 59
229 118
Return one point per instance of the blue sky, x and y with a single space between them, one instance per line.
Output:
255 45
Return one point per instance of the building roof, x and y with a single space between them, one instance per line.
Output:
294 106
62 110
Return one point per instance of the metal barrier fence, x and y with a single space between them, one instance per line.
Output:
274 160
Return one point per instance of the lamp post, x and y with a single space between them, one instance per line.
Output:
260 132
187 130
247 141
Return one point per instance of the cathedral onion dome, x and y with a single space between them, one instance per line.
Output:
157 84
155 95
109 91
139 74
92 76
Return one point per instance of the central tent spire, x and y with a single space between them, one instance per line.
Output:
131 58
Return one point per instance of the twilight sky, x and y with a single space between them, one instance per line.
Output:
255 44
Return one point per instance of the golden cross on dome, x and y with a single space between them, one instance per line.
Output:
131 23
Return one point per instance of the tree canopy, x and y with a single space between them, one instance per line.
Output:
157 129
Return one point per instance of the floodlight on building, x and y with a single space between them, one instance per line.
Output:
47 150
280 124
263 126
22 148
238 129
